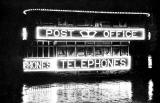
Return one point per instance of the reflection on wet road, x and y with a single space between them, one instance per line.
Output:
108 91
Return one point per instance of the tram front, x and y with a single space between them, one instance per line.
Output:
74 41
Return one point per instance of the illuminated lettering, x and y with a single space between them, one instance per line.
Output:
83 63
70 32
77 64
63 63
90 63
128 34
56 33
116 62
69 64
103 63
119 33
123 62
112 34
48 32
77 33
110 63
106 34
134 33
64 33
97 63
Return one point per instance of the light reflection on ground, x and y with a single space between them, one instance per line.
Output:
118 91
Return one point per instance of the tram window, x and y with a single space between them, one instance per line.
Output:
102 43
124 50
99 51
34 43
45 43
89 43
40 51
89 51
107 51
71 51
51 51
34 51
80 43
45 51
40 43
124 43
115 43
61 43
106 43
51 43
98 43
70 43
80 51
61 51
116 51
29 53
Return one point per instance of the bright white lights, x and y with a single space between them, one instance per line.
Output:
149 35
83 11
150 89
149 61
24 33
89 33
39 94
70 64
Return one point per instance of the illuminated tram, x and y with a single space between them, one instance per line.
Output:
73 40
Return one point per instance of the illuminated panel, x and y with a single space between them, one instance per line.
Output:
77 63
105 92
89 33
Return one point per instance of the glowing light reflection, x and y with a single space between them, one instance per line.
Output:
150 89
79 92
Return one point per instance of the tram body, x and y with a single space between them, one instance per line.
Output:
74 41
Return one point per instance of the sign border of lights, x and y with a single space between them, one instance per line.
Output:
54 60
89 28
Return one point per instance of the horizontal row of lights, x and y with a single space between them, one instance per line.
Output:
83 11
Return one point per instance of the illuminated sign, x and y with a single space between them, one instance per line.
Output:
77 63
89 33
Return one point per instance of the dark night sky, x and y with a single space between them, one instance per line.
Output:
11 19
118 5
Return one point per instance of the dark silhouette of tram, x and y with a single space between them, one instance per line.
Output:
84 41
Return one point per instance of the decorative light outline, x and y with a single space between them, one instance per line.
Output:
89 28
85 11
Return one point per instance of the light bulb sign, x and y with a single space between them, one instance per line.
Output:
89 33
77 64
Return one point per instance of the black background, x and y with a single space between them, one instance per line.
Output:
12 21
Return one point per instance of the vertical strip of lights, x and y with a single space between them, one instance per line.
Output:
24 33
150 89
149 61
